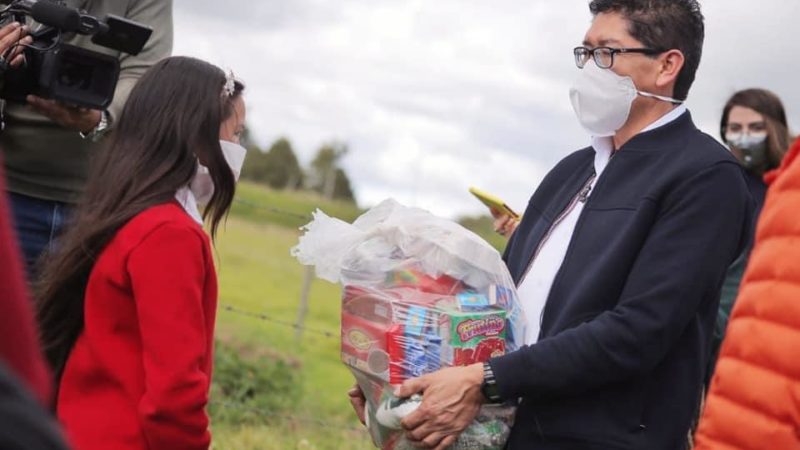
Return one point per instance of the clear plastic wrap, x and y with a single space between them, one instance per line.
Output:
419 293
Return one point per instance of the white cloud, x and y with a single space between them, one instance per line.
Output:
433 97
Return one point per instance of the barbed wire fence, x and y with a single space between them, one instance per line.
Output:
298 326
270 209
280 322
291 418
278 415
308 274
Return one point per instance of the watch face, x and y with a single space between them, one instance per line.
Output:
489 391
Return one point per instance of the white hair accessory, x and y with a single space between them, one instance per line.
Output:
230 84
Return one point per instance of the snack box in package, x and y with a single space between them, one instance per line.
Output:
396 333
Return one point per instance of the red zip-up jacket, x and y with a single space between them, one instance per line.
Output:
139 374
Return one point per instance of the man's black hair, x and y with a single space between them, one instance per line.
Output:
663 25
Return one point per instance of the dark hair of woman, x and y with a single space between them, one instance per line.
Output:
770 106
171 120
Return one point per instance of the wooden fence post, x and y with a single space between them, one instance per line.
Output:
308 277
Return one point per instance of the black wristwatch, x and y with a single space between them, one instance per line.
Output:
489 386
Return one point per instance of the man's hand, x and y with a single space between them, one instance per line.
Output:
79 119
504 224
358 401
13 38
451 399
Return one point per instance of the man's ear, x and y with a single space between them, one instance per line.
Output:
671 63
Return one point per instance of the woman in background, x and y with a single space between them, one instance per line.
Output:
754 127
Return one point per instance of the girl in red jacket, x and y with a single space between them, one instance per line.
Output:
127 303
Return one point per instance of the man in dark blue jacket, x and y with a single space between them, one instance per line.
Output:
619 258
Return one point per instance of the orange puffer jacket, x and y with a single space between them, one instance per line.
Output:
754 401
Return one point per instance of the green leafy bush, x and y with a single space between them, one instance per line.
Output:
252 386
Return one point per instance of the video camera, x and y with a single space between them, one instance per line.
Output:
63 72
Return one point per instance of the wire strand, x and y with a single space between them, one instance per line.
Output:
273 210
295 418
285 323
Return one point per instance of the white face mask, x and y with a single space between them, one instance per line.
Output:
234 155
602 99
202 185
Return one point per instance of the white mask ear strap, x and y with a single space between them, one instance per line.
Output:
658 97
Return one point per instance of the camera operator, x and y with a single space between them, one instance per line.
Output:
47 145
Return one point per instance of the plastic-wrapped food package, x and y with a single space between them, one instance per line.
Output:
419 293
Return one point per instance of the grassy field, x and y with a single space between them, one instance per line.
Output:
258 275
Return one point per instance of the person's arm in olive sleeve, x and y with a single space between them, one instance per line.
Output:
157 14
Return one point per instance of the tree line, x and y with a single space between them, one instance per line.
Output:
279 168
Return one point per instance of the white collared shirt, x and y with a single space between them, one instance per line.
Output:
188 202
535 286
666 118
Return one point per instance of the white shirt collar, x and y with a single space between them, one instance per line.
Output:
603 148
667 118
604 145
188 202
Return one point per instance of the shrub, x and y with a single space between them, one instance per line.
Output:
252 386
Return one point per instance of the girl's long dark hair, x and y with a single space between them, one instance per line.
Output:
171 119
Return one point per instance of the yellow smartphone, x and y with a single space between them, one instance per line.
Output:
493 202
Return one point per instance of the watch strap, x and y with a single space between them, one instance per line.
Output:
100 130
489 386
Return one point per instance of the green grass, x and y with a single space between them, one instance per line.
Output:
289 436
293 208
258 275
286 208
483 226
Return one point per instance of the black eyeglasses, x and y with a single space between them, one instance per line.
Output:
604 56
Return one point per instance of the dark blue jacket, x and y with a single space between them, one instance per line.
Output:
626 330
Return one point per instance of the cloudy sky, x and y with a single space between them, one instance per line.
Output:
434 96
